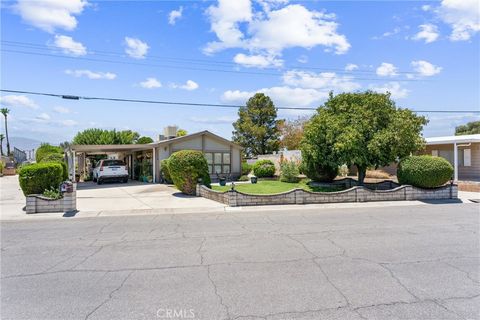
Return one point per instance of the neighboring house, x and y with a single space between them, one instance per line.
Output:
143 160
463 152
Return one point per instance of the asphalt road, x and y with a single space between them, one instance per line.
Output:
410 262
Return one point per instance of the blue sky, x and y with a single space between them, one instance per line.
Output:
424 53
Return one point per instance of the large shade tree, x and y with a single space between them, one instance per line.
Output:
363 129
469 128
257 127
101 136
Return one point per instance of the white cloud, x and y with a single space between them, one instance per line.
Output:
397 92
49 15
18 101
68 123
386 70
91 74
150 83
136 48
214 120
302 59
175 15
463 16
425 68
259 61
324 80
70 46
351 67
189 85
43 117
428 33
269 32
426 7
60 109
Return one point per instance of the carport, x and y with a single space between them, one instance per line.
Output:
131 154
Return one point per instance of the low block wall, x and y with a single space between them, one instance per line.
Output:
37 203
355 194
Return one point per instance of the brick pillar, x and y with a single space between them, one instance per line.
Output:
232 198
70 200
197 190
31 205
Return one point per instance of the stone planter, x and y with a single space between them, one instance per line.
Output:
37 203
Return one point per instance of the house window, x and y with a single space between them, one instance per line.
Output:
467 157
218 162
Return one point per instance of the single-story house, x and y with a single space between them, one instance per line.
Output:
144 160
463 152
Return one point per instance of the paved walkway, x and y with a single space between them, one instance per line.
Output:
410 262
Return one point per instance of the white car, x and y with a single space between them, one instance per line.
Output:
110 170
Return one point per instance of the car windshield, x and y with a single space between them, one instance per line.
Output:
108 163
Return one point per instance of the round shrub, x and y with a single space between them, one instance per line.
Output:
424 171
38 177
46 149
186 167
289 172
57 158
264 168
164 171
318 172
246 168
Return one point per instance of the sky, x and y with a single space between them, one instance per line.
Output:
425 53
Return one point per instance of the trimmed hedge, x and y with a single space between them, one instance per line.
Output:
165 173
319 173
57 158
38 177
264 168
186 167
424 171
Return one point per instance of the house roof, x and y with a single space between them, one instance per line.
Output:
469 138
98 148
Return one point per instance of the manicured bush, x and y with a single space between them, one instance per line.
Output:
186 167
289 172
246 168
46 149
319 173
264 168
164 171
57 158
38 177
424 171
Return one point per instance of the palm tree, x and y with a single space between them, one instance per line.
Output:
2 137
5 112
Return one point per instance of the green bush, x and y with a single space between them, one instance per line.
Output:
57 158
424 171
53 193
165 173
264 168
289 172
38 177
186 167
319 173
45 150
246 168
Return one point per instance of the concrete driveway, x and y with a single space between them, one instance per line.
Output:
136 196
415 262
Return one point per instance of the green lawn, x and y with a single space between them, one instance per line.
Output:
271 187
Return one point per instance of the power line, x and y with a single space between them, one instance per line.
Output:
193 61
214 105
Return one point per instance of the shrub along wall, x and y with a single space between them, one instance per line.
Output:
38 177
186 167
355 194
424 171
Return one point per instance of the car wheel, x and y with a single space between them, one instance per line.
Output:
125 180
99 181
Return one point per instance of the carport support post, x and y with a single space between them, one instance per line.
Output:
73 165
455 162
154 166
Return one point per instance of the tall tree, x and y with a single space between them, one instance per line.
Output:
292 133
5 113
364 129
144 140
257 127
469 128
2 137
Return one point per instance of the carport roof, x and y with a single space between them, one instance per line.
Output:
110 147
